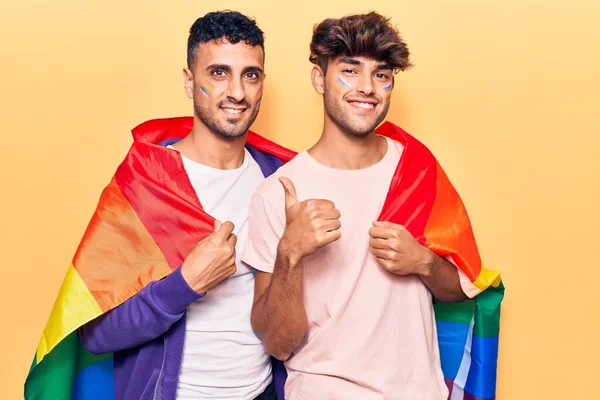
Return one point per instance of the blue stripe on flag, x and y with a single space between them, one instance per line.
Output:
481 381
452 337
95 382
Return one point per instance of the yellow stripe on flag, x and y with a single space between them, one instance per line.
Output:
487 278
74 307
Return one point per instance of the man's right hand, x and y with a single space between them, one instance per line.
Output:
310 224
212 260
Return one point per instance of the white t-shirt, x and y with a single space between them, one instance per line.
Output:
371 334
223 358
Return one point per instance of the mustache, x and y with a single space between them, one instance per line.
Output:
362 96
242 103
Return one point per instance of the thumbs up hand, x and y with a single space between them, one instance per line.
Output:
290 192
310 224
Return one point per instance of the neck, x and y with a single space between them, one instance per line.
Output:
339 149
205 147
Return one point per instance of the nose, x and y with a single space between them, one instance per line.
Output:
235 90
365 85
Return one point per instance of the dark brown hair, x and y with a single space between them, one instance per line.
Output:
363 35
230 25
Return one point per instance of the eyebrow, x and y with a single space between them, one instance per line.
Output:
351 61
227 68
354 61
252 69
384 67
224 67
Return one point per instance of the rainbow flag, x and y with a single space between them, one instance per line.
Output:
423 200
132 240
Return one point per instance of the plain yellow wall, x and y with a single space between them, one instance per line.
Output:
504 92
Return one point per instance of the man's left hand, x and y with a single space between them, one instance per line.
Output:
398 251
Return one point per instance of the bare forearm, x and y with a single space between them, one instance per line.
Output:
441 277
279 317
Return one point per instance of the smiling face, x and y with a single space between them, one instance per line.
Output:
356 92
225 83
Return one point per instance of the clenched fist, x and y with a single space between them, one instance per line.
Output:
212 260
397 250
310 224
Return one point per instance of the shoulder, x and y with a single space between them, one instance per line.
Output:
271 190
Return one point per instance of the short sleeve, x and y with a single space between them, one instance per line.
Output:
265 227
466 285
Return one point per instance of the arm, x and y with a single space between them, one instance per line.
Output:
441 277
398 252
276 247
278 314
151 312
142 318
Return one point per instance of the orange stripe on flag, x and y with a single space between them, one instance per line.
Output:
117 256
448 230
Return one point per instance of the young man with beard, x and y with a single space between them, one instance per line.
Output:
343 295
188 336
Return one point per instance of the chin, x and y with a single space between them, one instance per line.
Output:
231 133
360 130
360 133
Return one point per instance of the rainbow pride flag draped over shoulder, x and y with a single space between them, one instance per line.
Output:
147 221
423 200
149 218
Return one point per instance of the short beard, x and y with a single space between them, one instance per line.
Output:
334 110
233 130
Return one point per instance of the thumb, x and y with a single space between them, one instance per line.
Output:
217 226
290 192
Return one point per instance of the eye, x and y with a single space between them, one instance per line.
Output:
381 76
349 71
252 76
218 73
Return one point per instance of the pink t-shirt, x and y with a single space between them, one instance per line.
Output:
371 334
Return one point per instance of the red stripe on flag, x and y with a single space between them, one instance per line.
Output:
159 130
153 180
412 190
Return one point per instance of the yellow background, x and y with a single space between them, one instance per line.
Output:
505 93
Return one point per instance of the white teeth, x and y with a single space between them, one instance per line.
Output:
363 105
232 110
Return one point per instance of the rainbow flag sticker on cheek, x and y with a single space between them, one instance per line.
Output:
259 93
388 89
343 82
206 90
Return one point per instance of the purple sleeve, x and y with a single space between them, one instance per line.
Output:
142 318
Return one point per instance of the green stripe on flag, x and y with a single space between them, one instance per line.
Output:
54 377
487 312
485 307
455 312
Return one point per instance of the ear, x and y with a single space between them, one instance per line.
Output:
318 79
188 82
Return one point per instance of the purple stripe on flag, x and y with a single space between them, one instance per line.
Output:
468 396
450 385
